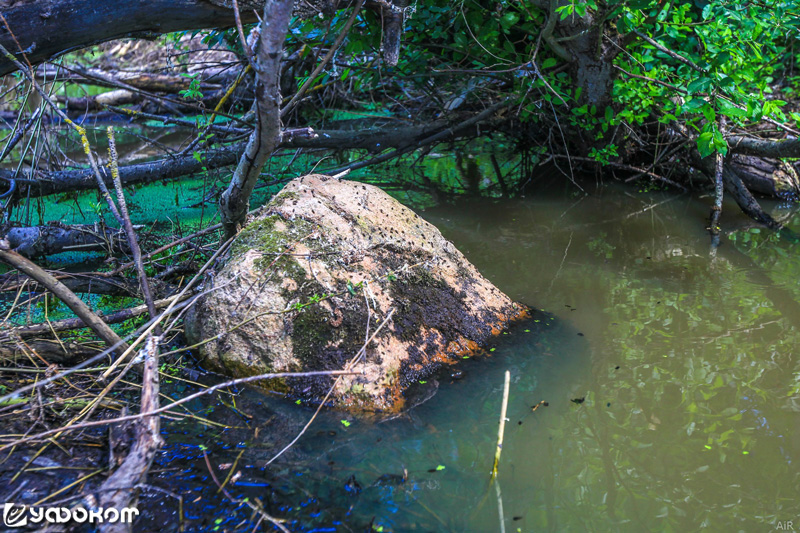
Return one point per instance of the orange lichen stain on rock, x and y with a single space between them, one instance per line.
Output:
463 347
459 348
523 312
359 247
455 351
394 399
391 401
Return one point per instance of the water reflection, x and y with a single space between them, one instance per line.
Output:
686 364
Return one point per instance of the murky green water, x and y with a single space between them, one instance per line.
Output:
691 417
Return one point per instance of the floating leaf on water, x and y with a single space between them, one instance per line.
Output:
346 423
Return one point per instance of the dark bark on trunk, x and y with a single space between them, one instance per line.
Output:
44 29
745 199
235 201
764 147
393 16
580 41
372 139
736 188
41 241
766 176
48 28
41 183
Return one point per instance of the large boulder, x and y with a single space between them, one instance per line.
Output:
317 270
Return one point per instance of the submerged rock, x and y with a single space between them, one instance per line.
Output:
315 274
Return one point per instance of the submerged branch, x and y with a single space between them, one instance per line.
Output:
40 241
764 147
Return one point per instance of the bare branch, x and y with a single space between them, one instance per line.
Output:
77 305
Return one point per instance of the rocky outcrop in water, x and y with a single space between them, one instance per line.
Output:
317 271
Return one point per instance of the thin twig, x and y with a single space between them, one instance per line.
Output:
133 241
61 291
337 43
246 47
214 388
501 430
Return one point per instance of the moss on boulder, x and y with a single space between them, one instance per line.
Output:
318 269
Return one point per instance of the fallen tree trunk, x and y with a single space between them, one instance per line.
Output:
121 97
100 101
769 177
745 199
40 183
40 241
121 489
736 188
372 139
43 29
764 147
52 351
145 81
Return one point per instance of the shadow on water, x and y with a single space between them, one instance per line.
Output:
684 361
407 473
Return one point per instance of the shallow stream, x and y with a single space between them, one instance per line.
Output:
670 374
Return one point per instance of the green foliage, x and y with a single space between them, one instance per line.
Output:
193 92
714 58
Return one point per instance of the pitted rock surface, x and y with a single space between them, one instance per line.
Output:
315 273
